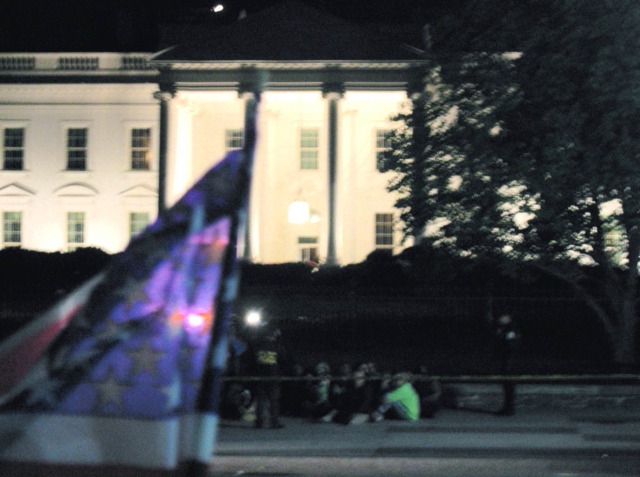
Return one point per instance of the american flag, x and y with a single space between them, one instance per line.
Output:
111 377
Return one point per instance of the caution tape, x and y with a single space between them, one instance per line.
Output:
522 378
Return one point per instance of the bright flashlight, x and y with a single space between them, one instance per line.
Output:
194 321
217 8
253 318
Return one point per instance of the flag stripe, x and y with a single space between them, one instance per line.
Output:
92 440
20 351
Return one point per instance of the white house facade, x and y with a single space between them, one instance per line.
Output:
96 144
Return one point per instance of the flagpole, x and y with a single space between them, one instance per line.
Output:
209 395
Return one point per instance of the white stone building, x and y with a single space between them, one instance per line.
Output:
94 144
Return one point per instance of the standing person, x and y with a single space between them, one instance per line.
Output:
267 355
506 337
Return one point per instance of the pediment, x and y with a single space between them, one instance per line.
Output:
140 190
76 190
16 190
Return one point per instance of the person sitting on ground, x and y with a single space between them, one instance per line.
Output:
430 392
400 402
321 406
358 401
340 384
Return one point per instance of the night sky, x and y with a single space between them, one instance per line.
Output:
134 25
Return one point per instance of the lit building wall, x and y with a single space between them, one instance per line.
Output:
279 177
107 191
44 191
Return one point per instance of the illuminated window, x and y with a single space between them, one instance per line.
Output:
75 230
384 231
77 149
382 145
141 149
309 148
13 149
137 222
12 229
308 247
233 139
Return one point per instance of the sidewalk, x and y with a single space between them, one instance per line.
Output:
530 432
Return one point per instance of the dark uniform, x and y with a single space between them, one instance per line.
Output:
266 355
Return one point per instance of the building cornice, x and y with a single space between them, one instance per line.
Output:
76 68
131 68
313 75
284 66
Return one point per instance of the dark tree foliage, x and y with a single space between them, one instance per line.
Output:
536 163
28 272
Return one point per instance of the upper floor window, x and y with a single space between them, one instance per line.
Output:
12 229
382 145
233 139
309 148
141 149
75 230
137 222
384 231
13 149
77 140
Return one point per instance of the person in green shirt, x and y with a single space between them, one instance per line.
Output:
400 402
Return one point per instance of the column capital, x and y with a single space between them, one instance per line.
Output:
253 84
245 92
165 93
333 90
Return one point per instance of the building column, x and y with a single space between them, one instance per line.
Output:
249 94
333 94
164 95
179 165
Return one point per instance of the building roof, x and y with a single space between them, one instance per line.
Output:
290 31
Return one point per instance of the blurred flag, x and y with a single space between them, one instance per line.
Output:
110 378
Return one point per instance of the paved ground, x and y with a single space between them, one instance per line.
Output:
534 442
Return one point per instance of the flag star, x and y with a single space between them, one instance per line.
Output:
145 358
109 392
44 393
